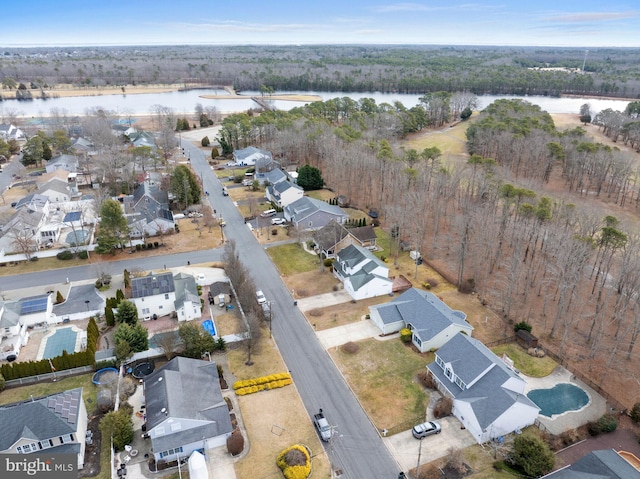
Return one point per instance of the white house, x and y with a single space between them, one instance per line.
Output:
160 294
11 132
430 320
251 155
62 162
363 274
14 331
54 424
284 193
309 214
185 409
488 396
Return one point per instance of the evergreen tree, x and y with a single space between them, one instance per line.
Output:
310 178
127 312
136 336
184 186
533 455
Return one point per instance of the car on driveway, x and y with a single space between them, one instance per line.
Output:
425 429
278 221
260 297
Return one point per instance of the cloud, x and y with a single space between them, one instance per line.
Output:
591 17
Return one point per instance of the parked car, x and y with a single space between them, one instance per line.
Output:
278 221
268 213
426 429
260 297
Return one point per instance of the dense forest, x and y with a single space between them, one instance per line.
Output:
361 68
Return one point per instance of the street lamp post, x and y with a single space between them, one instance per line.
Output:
86 301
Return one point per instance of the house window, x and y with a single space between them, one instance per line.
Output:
448 373
66 438
166 296
416 339
439 362
145 310
27 448
460 384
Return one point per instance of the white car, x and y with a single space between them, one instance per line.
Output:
260 297
278 221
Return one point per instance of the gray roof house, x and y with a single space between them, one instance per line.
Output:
334 237
283 193
147 211
311 214
161 294
363 274
488 396
602 464
187 304
272 177
430 320
250 156
185 409
11 132
62 162
55 424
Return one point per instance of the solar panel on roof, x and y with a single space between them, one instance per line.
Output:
34 305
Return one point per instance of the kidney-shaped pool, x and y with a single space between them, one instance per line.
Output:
561 398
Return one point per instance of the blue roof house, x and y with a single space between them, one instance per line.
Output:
488 397
430 320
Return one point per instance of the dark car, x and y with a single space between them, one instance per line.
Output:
426 429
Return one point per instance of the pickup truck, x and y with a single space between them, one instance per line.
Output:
322 425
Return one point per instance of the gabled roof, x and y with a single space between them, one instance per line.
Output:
186 290
427 315
354 255
152 284
151 191
39 419
602 464
274 177
63 160
189 389
363 233
484 375
55 184
305 207
33 200
330 235
251 152
219 287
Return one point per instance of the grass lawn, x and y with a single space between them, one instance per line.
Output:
529 365
42 264
382 375
323 195
450 141
344 313
89 390
312 283
292 258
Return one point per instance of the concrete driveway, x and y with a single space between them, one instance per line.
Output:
323 300
405 448
331 338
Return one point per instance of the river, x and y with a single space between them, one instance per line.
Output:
184 102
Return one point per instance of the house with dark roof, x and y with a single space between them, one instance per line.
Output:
185 409
252 156
431 321
334 237
147 211
602 464
160 294
488 396
309 214
363 274
55 424
283 193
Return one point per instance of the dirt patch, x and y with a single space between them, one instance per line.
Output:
311 283
92 451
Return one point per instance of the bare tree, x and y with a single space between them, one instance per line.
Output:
24 240
169 343
254 333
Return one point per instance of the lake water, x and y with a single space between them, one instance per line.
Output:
184 102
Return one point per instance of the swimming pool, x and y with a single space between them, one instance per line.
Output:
64 339
563 397
209 327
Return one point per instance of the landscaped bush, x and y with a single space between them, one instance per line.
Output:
606 423
405 335
426 285
522 325
328 262
156 244
635 412
350 347
273 381
427 380
65 255
443 407
139 247
83 254
235 443
295 462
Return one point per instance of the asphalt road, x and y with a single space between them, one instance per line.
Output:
356 448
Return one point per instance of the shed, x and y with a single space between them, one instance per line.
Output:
526 339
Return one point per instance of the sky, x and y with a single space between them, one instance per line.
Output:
585 23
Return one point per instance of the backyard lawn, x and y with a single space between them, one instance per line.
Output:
292 258
89 390
382 375
529 365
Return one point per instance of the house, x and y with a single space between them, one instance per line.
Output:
271 177
140 138
602 464
62 162
82 301
311 214
54 424
14 331
34 202
250 156
185 409
431 321
147 211
58 190
334 237
283 193
22 232
363 274
488 396
83 146
11 132
162 294
217 289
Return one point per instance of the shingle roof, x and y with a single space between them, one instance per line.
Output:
602 464
330 235
41 418
363 233
186 290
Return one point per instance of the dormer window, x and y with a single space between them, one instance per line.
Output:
449 373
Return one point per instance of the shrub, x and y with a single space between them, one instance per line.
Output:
235 443
635 412
156 244
3 383
405 335
426 378
83 254
138 247
350 347
65 255
149 245
328 262
532 455
432 282
606 423
522 325
426 285
294 462
59 297
205 141
443 407
34 258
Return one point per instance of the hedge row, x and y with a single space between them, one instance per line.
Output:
64 361
297 471
261 380
263 387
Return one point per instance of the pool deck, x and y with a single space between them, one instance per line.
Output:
559 423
